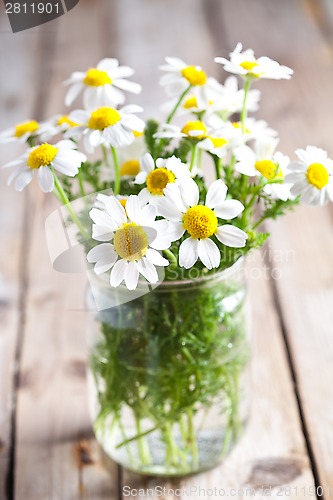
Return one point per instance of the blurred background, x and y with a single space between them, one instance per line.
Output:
46 444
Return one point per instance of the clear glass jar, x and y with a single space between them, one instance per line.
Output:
169 374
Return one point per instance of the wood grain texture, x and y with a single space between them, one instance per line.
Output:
15 100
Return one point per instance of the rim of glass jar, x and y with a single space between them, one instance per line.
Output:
218 276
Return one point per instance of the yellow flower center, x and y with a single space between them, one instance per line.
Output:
218 142
130 241
158 179
200 222
317 175
96 78
42 156
248 65
269 169
195 126
103 118
137 134
238 125
26 127
190 102
194 75
64 120
130 167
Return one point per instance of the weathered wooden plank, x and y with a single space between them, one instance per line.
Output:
16 103
53 460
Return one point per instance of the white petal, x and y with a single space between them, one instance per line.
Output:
156 258
140 178
102 219
168 209
147 214
229 209
188 253
216 194
147 163
23 180
72 93
175 230
189 192
45 179
231 236
102 252
209 253
147 269
118 273
101 233
135 88
131 276
116 211
133 208
145 196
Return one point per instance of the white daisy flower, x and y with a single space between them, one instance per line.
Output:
264 161
216 143
254 129
245 64
24 131
158 176
63 157
129 156
312 176
61 123
200 222
195 130
103 85
136 238
107 126
180 76
230 98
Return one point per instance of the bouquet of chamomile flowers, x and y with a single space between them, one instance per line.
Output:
161 211
174 356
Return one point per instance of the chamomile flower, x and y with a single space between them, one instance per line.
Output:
24 131
39 160
195 130
103 85
216 143
62 123
107 126
131 240
129 156
200 222
246 65
158 176
253 130
264 161
180 76
312 176
230 98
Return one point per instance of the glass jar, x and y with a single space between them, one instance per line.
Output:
169 374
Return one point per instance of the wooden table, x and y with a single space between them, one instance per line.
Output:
46 446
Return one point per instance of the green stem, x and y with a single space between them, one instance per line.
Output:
105 155
170 256
247 85
259 222
63 197
116 171
218 166
143 449
173 112
193 439
81 186
138 436
193 157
